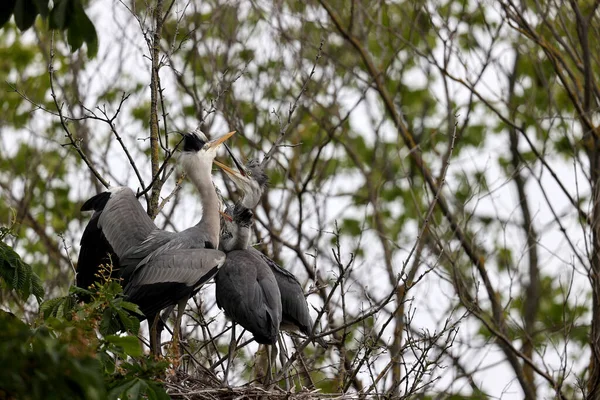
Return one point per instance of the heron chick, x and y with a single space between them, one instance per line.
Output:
252 180
244 262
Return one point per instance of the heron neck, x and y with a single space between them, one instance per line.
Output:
200 174
239 239
242 239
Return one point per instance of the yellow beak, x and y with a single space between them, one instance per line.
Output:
218 141
227 170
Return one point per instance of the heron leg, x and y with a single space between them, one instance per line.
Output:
232 347
162 320
175 342
282 357
271 362
154 338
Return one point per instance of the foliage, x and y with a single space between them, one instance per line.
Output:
80 350
53 356
17 275
65 15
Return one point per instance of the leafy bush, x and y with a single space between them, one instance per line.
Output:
17 275
74 349
52 361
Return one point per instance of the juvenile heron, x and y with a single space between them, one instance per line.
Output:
252 180
243 260
159 268
247 291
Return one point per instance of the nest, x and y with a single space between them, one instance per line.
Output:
184 386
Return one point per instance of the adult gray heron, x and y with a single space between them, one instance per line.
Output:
252 181
159 268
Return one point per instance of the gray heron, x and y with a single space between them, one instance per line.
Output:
243 262
252 180
247 292
158 268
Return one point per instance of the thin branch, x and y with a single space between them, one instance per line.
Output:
154 98
283 129
63 121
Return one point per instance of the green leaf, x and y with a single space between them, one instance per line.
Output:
505 259
108 362
31 361
60 14
105 323
6 10
129 389
156 391
82 30
351 226
60 307
134 308
42 7
19 275
136 388
129 345
127 321
25 13
80 291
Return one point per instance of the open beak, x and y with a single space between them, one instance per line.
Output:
240 180
236 162
225 168
231 173
218 141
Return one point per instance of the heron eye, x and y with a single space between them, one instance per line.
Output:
249 173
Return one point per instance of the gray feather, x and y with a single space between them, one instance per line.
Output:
247 291
170 276
124 209
185 266
295 308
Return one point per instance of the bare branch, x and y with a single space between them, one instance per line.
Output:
63 121
284 127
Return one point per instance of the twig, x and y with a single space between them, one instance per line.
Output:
162 167
110 122
64 243
356 320
441 181
173 193
63 123
293 106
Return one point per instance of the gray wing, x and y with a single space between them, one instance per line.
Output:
171 276
248 293
124 222
295 313
276 268
94 252
155 243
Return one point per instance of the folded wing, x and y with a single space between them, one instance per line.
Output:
170 276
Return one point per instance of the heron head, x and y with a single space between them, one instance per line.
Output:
256 172
197 143
251 179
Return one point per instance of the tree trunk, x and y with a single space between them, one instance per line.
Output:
594 275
